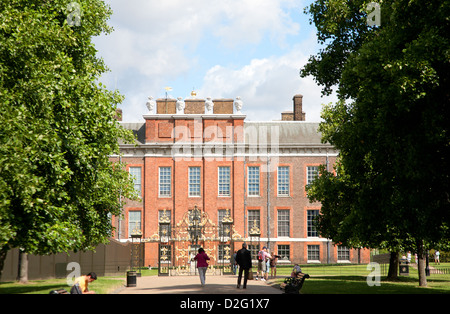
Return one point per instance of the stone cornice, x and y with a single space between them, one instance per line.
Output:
183 149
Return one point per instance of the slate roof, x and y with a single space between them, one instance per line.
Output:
282 132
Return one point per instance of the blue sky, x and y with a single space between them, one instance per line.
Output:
223 49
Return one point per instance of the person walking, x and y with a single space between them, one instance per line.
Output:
233 263
202 264
273 265
263 264
244 260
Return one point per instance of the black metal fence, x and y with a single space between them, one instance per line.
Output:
433 269
440 270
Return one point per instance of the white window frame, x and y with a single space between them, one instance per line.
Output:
253 180
283 224
163 185
283 182
194 182
312 172
223 183
136 176
134 221
311 230
313 249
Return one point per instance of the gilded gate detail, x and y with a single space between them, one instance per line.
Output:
178 244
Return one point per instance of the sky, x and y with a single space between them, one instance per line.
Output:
221 49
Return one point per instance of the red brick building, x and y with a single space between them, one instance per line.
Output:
202 155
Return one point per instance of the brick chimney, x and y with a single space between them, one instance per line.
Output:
166 106
299 115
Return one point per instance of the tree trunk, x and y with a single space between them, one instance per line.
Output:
393 266
3 253
421 264
22 275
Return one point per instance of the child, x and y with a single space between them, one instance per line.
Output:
296 271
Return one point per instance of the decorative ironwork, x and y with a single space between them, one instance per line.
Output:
165 249
255 231
136 249
227 219
255 234
136 231
178 243
195 225
226 247
164 228
195 229
164 259
164 219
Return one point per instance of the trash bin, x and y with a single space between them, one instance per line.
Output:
131 279
404 267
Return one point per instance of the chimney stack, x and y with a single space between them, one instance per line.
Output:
299 115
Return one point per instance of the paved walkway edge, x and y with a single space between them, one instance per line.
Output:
222 284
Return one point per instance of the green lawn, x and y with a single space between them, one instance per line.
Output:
352 279
325 279
103 285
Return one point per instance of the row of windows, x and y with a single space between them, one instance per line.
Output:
284 251
283 221
313 252
224 180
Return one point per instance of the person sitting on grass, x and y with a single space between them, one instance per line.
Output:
81 284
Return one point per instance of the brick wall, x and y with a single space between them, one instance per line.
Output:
193 126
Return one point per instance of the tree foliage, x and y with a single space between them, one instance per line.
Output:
390 125
58 188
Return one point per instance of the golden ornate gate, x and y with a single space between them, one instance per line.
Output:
179 244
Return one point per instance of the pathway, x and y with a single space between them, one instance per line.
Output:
225 284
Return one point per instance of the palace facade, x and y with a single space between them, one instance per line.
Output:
208 178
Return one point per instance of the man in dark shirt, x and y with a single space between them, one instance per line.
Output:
244 260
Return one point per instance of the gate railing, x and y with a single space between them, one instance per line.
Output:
178 245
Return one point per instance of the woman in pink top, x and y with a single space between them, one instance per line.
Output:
202 264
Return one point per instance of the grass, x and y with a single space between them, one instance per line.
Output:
103 285
325 279
352 279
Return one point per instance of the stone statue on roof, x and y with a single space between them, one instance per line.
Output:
238 104
151 104
180 105
209 105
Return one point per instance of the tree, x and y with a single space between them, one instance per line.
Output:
391 123
58 188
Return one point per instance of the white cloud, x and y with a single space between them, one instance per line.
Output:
249 20
159 43
268 85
